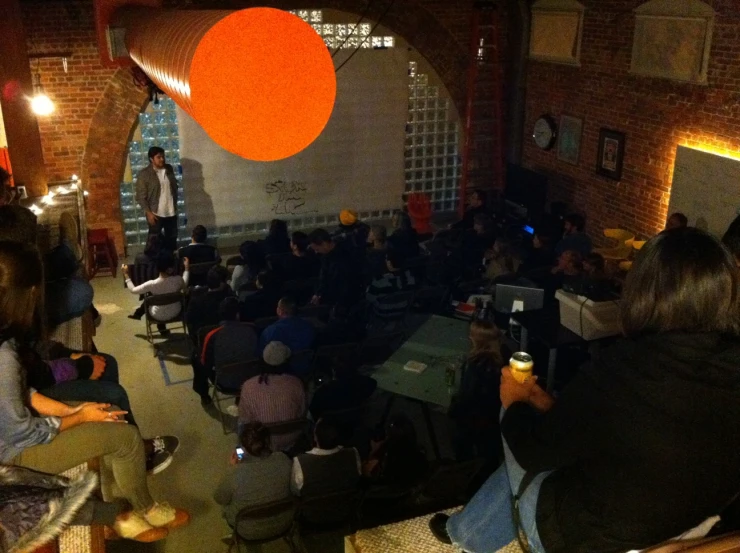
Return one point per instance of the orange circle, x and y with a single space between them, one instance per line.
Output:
262 84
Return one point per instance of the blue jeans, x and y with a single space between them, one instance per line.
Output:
486 523
105 390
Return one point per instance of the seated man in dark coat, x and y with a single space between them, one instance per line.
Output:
203 307
228 343
199 252
326 469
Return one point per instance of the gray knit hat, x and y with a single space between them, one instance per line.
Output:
276 353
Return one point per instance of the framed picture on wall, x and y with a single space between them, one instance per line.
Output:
569 139
611 154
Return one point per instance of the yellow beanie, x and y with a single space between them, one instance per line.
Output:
347 217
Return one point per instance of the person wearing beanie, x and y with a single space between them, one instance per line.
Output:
274 396
352 230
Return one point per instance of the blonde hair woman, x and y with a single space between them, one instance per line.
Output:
46 435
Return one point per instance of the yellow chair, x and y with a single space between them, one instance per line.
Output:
636 246
623 247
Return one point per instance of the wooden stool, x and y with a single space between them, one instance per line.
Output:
101 248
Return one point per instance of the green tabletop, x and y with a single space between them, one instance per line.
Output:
439 342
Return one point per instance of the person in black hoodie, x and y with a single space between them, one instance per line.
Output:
645 443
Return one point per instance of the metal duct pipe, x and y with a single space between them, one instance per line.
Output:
259 81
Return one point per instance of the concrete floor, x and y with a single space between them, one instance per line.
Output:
164 403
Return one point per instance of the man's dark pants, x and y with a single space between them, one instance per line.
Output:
167 227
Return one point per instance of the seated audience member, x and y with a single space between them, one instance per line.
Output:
346 390
476 243
252 263
475 408
610 454
198 251
377 247
396 279
261 476
404 238
574 238
166 283
80 377
277 240
499 259
274 396
230 342
568 273
67 295
396 461
325 469
293 331
46 435
263 301
351 230
540 257
304 263
676 220
17 223
340 276
145 263
202 308
476 204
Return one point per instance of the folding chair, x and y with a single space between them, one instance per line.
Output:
228 381
256 513
164 299
294 426
198 272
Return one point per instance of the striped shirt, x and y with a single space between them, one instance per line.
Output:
278 398
389 283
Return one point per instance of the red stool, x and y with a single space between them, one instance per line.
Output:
420 210
100 247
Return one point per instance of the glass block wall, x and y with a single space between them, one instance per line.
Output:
432 159
157 127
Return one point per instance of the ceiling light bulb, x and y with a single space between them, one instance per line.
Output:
75 177
42 105
86 193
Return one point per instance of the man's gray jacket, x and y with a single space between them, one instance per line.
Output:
148 188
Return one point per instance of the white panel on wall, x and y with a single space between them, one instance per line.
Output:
706 188
357 162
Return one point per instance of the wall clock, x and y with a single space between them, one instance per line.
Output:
545 132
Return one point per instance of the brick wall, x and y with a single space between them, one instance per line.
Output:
97 107
656 115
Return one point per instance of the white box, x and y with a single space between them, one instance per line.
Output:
589 319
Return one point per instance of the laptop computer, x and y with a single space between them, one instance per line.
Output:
528 299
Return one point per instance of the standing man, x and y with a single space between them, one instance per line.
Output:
156 193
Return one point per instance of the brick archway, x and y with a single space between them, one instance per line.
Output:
116 114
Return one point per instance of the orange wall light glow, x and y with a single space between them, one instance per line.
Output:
260 81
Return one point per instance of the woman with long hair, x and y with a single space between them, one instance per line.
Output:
644 444
476 407
46 435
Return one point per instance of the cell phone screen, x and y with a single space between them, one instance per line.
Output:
240 453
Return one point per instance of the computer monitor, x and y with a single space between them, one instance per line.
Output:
528 299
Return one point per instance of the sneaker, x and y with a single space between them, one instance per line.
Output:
438 526
157 462
232 410
169 444
163 515
135 527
